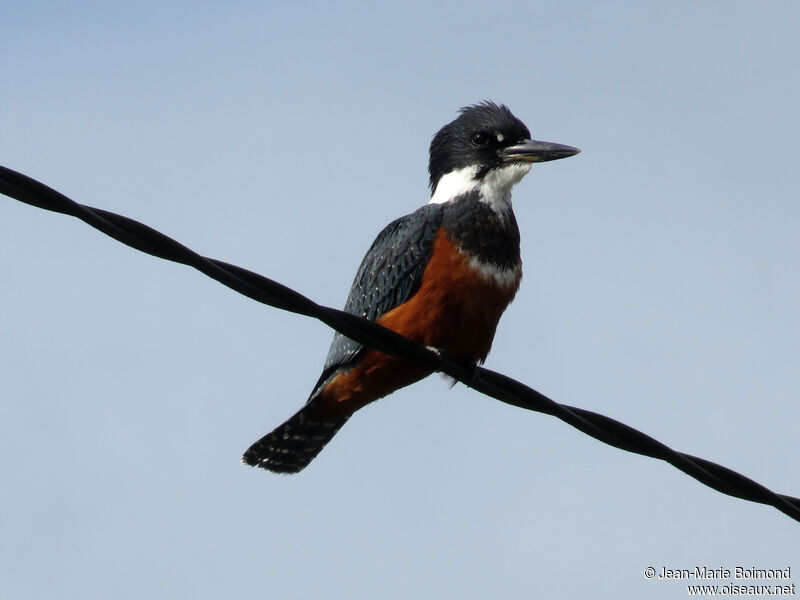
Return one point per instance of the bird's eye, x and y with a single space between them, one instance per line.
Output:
480 138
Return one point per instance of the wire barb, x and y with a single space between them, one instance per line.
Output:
370 334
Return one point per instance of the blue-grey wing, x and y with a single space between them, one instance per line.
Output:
388 276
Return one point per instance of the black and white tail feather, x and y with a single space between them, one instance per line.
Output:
290 447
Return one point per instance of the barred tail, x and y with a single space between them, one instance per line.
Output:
290 447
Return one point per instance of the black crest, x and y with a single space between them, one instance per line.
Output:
472 139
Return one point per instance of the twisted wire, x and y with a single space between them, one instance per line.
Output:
370 334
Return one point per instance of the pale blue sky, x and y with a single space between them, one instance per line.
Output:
661 286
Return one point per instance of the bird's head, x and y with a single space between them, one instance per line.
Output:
486 149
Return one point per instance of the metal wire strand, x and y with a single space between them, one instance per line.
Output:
372 335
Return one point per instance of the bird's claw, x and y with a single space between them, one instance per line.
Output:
471 367
439 355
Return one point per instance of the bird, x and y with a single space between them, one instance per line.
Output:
441 276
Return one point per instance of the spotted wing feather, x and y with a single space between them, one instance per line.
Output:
388 276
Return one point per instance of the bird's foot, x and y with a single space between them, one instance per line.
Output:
474 372
470 367
439 356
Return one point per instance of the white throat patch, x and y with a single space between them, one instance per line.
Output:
494 188
454 184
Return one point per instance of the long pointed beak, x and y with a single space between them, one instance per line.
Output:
533 151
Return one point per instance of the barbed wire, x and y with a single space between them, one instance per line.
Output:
370 334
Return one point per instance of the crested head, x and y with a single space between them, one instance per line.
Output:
487 150
472 140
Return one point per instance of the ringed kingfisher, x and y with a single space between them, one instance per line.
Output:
441 276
